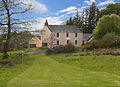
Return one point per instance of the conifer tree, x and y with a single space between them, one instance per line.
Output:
90 18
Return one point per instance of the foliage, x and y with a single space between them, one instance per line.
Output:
107 51
113 8
107 24
110 40
106 41
50 51
87 47
77 20
116 41
69 48
87 21
69 21
9 22
90 18
20 40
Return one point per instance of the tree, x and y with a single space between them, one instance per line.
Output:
77 20
20 40
110 9
69 21
93 17
85 20
90 16
52 40
9 19
107 24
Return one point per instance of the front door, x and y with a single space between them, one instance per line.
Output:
44 45
32 45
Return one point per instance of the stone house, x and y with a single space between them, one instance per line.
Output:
55 35
35 42
87 38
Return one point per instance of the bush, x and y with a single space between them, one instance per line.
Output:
116 41
106 41
110 40
49 51
69 48
87 47
107 24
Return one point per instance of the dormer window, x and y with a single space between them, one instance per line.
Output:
67 34
76 34
57 35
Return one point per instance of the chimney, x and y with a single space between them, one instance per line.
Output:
46 23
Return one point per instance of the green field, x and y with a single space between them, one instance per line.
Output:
39 70
18 51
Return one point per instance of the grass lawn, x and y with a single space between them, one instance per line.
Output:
40 70
18 51
7 73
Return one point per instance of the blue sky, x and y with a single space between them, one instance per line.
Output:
57 11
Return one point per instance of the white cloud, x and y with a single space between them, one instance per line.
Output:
71 12
105 2
90 2
37 6
68 9
93 1
79 10
51 21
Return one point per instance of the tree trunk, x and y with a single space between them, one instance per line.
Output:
5 55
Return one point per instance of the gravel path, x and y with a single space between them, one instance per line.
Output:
37 51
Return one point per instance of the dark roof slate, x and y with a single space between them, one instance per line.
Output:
64 28
87 37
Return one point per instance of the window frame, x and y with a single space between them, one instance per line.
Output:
76 34
57 35
67 35
76 42
68 41
58 42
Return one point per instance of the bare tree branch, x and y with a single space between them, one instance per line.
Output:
19 12
3 24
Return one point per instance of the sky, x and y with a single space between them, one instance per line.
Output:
57 11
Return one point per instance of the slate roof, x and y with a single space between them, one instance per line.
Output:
87 37
64 28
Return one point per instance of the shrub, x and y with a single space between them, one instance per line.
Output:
106 41
69 48
49 51
110 40
116 41
107 24
87 47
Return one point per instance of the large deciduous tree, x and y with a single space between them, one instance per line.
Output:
107 24
11 16
113 8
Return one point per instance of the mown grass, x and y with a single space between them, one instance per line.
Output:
17 66
101 63
9 72
18 51
61 71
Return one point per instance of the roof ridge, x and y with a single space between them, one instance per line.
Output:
64 28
